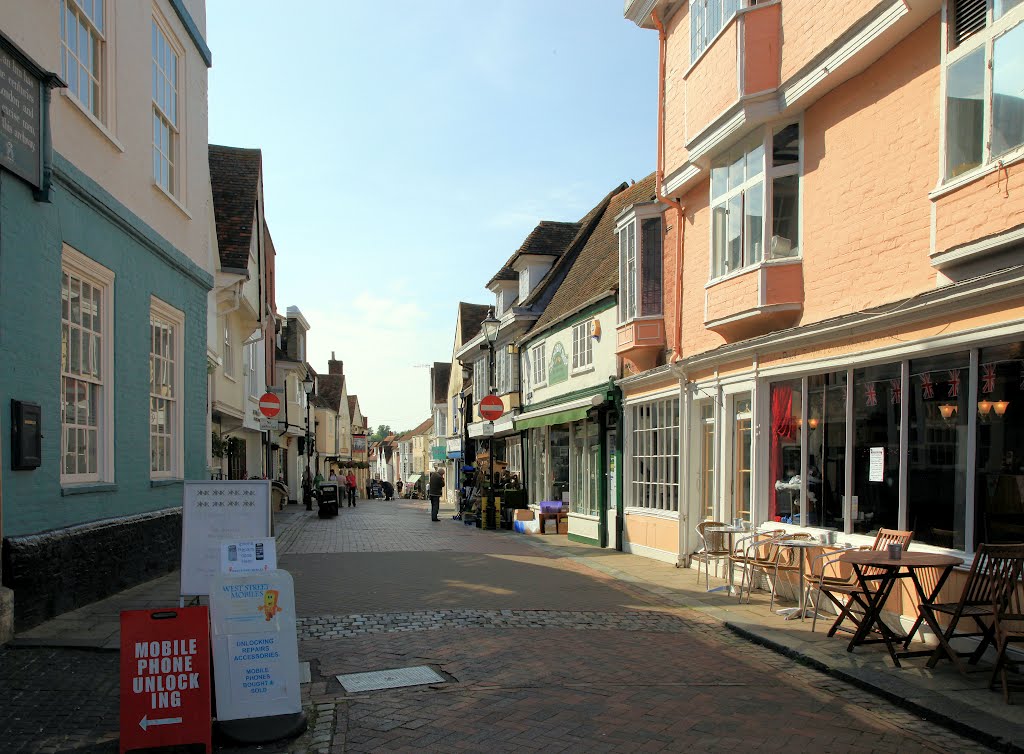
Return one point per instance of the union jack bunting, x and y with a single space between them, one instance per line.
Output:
988 378
897 390
954 384
871 395
927 386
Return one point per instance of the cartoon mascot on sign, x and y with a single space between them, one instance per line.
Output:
269 607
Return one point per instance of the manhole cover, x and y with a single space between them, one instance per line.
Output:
389 679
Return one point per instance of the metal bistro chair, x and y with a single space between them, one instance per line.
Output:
850 588
1008 624
760 554
988 588
712 546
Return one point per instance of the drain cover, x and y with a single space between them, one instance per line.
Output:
389 679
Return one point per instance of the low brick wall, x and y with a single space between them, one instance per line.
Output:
60 570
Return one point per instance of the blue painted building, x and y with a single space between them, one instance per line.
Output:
106 263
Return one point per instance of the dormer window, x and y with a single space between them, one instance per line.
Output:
640 233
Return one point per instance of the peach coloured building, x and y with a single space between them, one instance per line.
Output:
839 342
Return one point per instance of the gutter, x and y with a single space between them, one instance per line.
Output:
677 341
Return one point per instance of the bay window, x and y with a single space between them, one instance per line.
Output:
984 80
640 261
707 18
755 200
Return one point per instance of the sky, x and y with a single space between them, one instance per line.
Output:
410 147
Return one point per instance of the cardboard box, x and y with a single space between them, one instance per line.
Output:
525 514
563 527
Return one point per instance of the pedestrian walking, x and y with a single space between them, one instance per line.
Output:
398 486
351 478
435 488
307 489
334 476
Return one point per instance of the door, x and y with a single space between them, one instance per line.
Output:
612 511
737 448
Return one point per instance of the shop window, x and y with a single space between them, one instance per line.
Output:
585 468
784 452
999 479
654 461
558 446
937 449
825 457
876 448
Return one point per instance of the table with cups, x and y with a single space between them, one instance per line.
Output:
739 526
804 546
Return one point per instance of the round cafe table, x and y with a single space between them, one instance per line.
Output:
877 574
731 532
803 546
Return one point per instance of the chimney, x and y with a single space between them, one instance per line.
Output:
334 366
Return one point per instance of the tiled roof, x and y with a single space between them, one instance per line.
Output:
596 268
441 373
427 424
330 389
234 178
549 239
471 315
353 403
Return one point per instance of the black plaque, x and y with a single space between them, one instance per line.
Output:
21 121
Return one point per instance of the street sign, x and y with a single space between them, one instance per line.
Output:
269 425
270 405
165 678
491 407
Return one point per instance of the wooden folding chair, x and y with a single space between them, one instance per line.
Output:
1008 625
850 588
986 590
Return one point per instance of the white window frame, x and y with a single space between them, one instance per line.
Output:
98 37
766 178
249 363
170 83
481 384
229 352
629 231
538 358
74 263
166 314
653 451
705 26
582 348
514 448
985 38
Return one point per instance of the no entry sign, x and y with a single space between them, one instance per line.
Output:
165 678
491 407
270 405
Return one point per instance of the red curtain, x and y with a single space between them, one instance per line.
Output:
783 428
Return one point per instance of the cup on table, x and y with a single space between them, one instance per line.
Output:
895 551
823 538
737 523
831 537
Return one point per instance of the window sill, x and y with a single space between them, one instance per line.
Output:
96 122
644 318
585 516
229 377
781 262
669 515
173 199
165 482
583 370
87 488
953 184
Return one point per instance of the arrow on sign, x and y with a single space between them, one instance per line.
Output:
144 723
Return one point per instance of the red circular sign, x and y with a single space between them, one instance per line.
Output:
270 405
491 407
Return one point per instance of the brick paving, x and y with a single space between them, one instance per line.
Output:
539 653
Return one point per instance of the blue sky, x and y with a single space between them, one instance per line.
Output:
409 147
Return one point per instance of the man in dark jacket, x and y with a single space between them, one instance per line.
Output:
435 488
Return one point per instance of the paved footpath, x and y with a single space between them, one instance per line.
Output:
538 653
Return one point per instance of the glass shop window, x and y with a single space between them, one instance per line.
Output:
826 449
877 396
784 452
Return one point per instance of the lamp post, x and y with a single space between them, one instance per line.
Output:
307 386
490 327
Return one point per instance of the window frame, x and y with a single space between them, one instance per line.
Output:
176 183
582 348
952 54
481 382
700 18
228 355
538 365
629 230
769 173
663 495
100 38
74 263
176 320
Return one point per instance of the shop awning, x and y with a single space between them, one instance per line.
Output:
412 479
557 417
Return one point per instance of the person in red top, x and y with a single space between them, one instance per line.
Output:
351 479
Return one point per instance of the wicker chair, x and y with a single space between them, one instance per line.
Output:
713 546
986 592
849 587
1008 625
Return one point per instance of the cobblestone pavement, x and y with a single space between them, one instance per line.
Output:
538 653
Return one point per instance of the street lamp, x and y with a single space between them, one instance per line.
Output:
307 386
490 327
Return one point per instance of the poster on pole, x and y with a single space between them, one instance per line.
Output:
212 512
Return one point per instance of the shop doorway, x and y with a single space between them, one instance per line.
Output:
612 509
740 449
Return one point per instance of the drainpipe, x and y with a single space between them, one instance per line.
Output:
677 336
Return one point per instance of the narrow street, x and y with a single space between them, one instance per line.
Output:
537 652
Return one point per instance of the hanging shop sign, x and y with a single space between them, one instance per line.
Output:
165 678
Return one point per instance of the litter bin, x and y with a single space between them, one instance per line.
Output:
328 499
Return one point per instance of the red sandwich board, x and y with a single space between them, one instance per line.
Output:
491 407
165 678
270 405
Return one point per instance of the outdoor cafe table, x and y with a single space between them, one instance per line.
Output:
731 531
877 574
803 546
